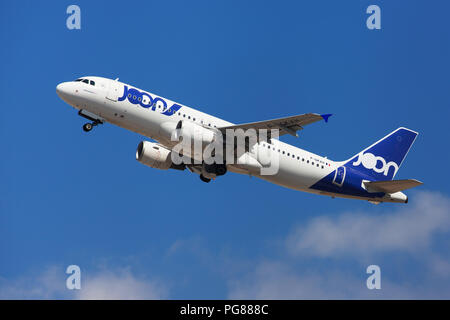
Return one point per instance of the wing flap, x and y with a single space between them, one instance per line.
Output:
391 186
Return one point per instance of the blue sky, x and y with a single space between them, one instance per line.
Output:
68 197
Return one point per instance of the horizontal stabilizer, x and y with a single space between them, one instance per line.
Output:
391 186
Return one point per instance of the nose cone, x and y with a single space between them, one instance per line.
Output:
67 92
62 90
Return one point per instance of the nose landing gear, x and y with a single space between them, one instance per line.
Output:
88 126
90 116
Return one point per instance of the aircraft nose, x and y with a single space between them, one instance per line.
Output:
61 89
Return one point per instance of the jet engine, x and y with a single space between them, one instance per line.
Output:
156 156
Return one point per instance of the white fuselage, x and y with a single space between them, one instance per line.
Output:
298 169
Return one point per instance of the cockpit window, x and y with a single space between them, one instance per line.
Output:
91 82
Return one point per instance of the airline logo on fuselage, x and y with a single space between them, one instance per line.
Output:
375 163
145 100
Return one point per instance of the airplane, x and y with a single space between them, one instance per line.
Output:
368 175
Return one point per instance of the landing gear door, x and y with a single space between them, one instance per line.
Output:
339 176
115 91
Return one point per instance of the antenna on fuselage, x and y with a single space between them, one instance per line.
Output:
116 79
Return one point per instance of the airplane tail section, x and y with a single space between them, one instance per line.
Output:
382 159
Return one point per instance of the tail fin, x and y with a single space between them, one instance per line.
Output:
382 159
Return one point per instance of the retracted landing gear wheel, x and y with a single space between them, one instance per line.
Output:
204 179
87 127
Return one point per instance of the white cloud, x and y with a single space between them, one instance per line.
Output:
276 280
45 285
120 285
408 228
303 268
439 266
279 280
102 284
327 257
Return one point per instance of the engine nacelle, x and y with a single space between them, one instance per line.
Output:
156 156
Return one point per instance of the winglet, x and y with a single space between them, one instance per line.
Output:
326 116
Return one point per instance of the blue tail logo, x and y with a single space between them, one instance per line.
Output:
375 163
382 160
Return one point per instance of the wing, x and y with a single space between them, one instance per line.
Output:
289 125
391 186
